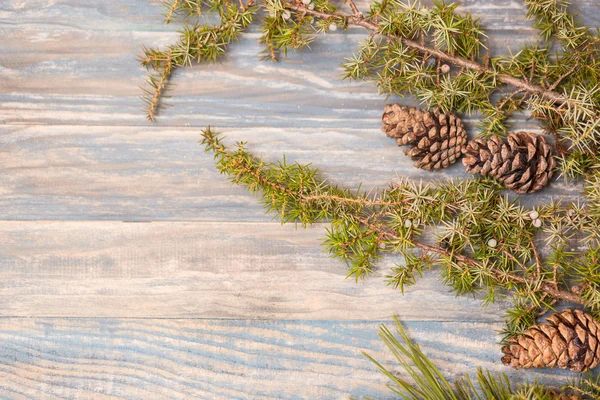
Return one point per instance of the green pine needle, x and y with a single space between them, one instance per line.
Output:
426 382
487 246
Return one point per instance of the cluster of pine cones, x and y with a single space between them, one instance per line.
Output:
523 162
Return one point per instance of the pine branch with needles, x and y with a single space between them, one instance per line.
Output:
198 43
486 244
433 52
425 381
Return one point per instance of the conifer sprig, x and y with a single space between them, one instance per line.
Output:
411 42
426 381
485 242
433 52
198 43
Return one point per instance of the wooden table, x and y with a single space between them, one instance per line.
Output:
132 269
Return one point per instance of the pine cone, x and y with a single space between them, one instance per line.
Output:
437 139
523 163
555 395
568 340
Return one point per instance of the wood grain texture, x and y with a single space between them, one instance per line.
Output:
200 270
53 84
146 15
158 173
66 70
182 359
209 298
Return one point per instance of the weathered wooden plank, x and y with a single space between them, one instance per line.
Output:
73 62
47 79
158 173
86 73
200 270
182 359
146 15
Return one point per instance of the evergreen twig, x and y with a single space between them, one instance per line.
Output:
427 382
200 43
408 47
485 242
454 59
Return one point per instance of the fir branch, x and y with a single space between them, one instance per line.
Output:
355 11
585 386
456 60
158 82
171 10
553 19
488 244
408 47
500 276
197 43
183 9
212 143
557 89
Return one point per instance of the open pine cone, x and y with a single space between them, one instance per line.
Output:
568 340
524 162
554 395
437 139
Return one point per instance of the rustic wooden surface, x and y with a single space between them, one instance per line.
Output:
131 269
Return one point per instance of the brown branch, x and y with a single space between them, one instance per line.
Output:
514 259
354 9
546 287
538 260
160 85
501 276
563 76
172 9
363 201
272 52
308 197
432 249
440 55
312 197
549 288
248 4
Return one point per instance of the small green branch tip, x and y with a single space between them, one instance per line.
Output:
466 216
432 52
427 381
197 43
211 142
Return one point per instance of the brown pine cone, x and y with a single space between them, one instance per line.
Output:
524 162
437 140
568 340
554 395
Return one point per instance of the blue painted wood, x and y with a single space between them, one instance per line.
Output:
59 86
75 149
162 174
81 69
202 270
182 359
